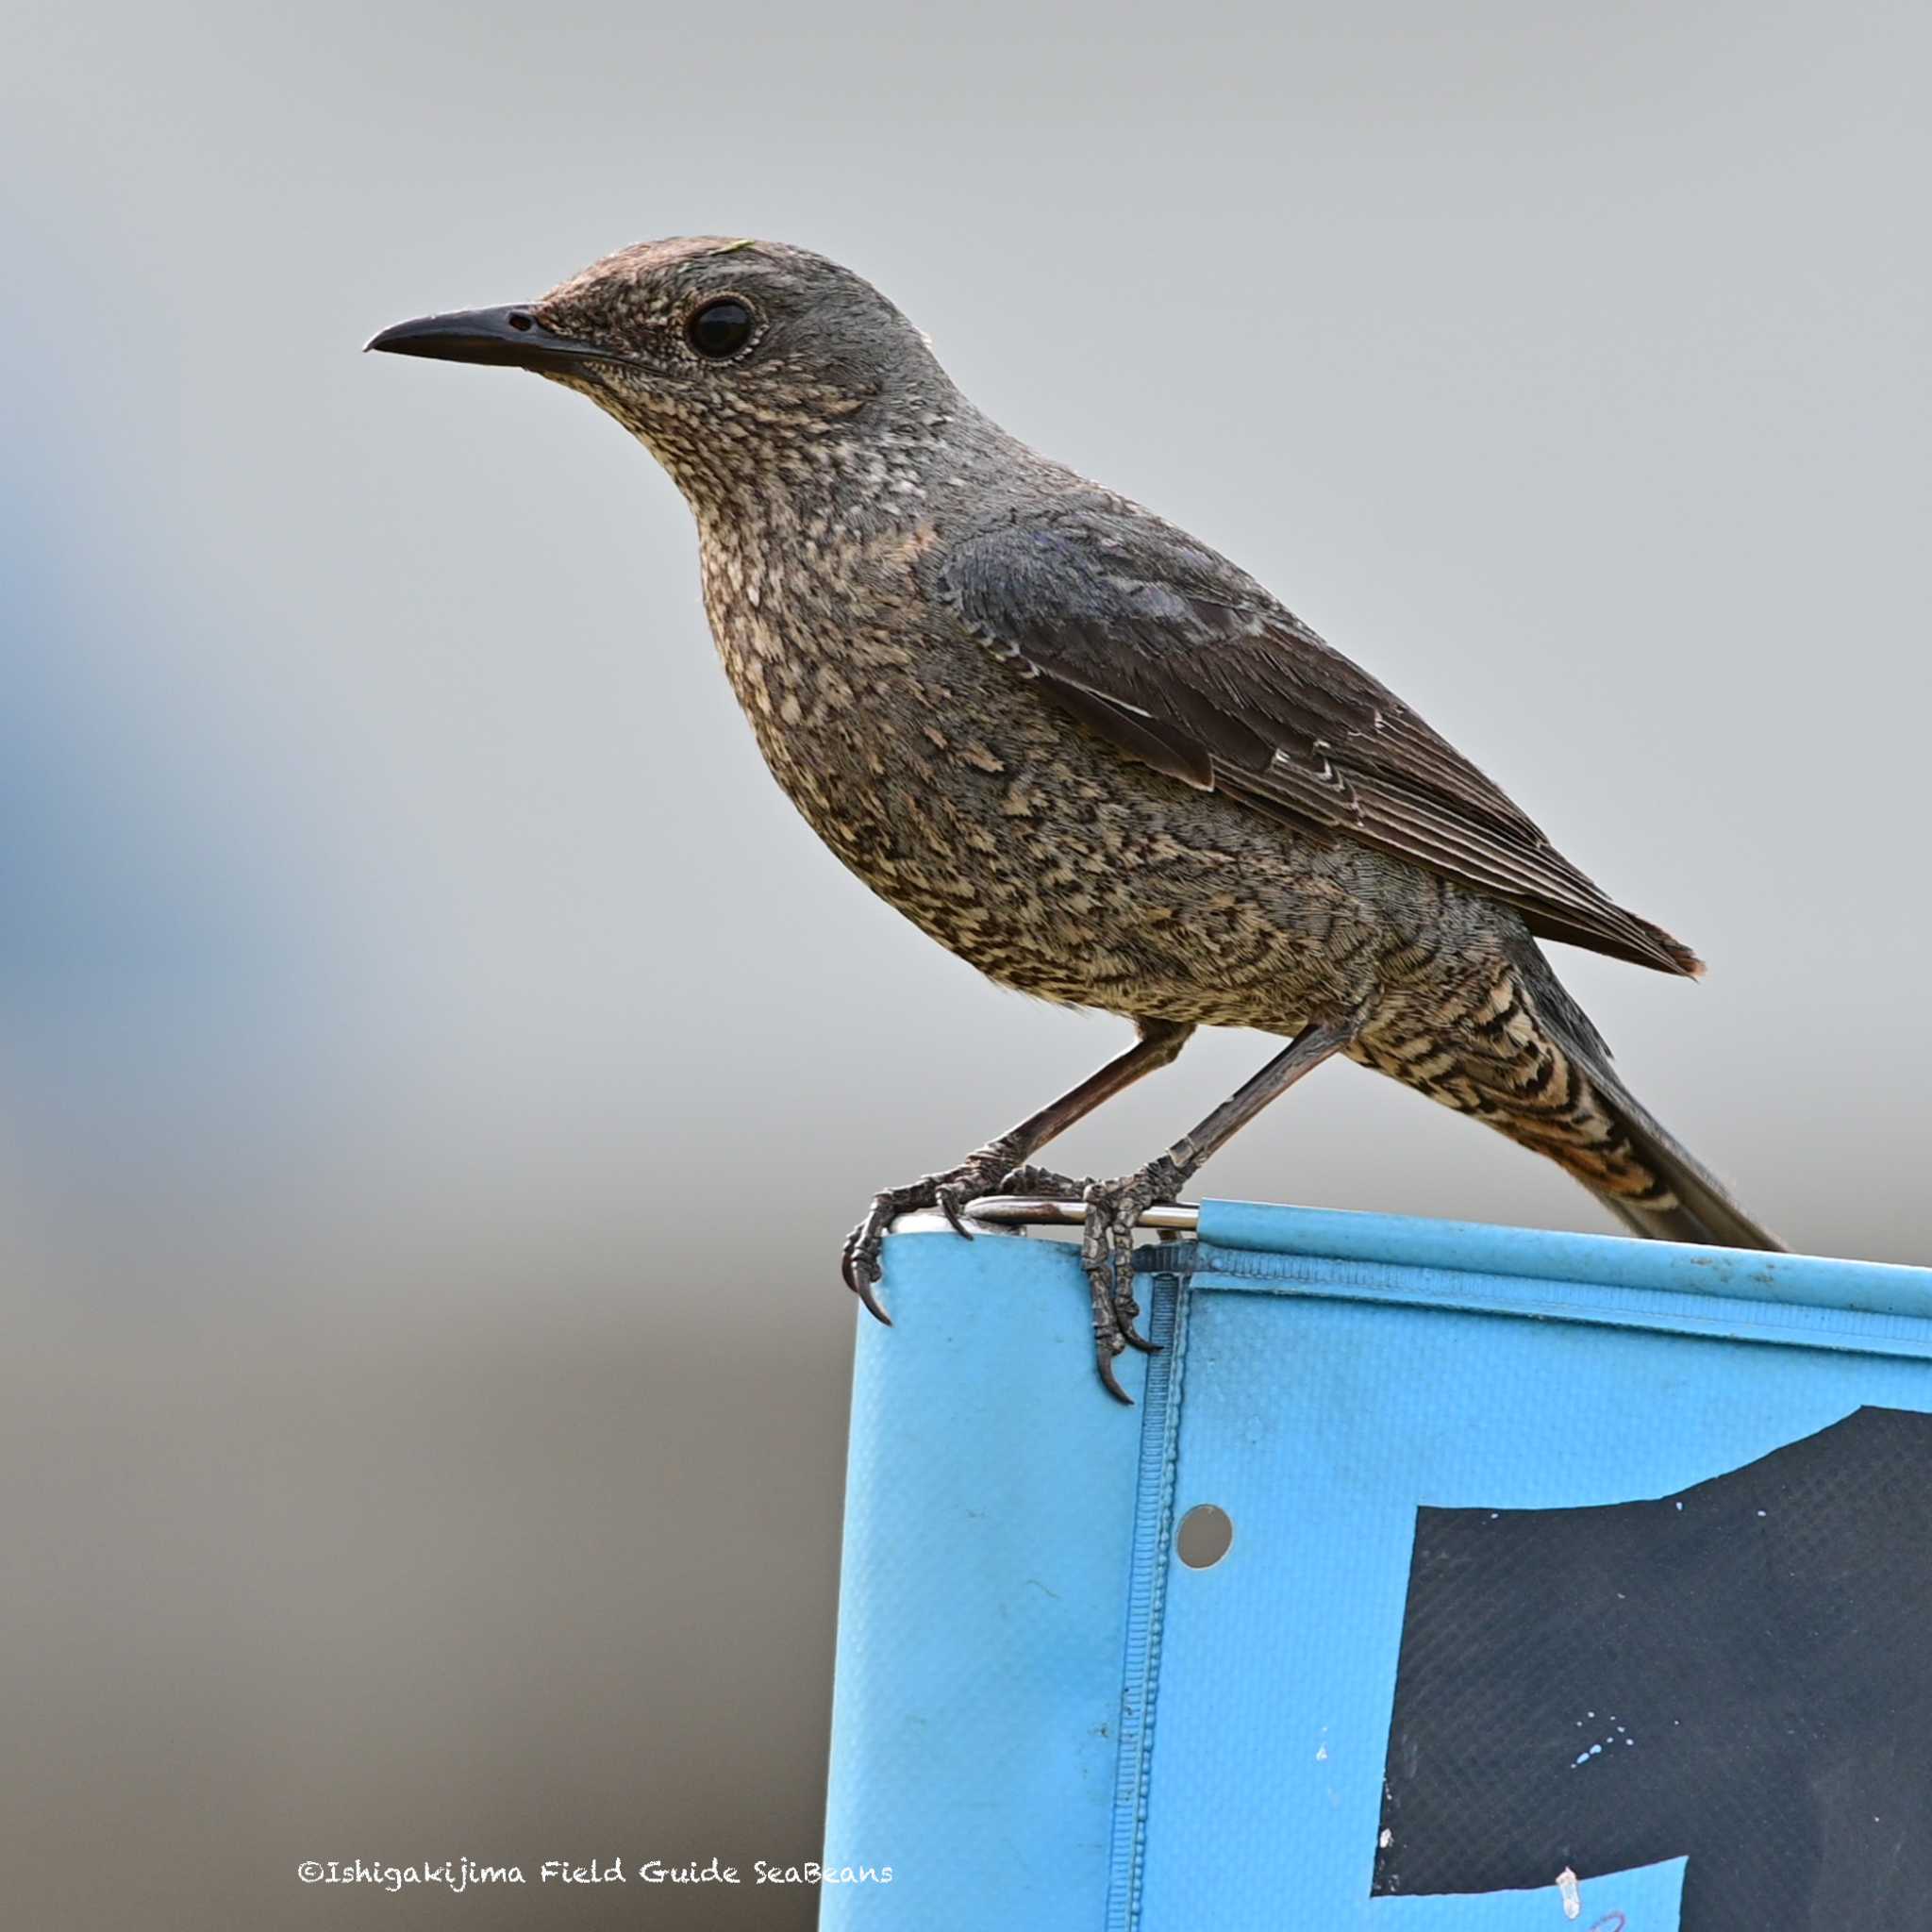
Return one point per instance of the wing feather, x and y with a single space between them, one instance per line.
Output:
1188 664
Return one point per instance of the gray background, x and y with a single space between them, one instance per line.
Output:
436 1067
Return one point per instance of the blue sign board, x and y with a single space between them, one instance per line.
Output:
1567 1581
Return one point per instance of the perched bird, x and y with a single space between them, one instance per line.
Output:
1087 753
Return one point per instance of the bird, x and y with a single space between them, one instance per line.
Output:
1087 753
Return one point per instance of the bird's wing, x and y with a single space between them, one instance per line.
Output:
1181 660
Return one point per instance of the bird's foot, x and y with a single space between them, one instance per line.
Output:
1106 1247
1106 1239
982 1173
1107 1257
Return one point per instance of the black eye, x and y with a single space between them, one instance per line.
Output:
720 328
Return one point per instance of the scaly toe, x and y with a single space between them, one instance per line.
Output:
1041 1183
952 1201
859 1262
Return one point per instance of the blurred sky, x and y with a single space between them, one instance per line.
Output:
437 1067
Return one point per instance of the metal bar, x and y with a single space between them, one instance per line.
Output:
1016 1211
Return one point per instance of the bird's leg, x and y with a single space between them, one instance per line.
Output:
1107 1240
984 1171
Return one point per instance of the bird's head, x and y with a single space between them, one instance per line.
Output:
733 360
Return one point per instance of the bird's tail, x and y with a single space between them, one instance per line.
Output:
1694 1205
1649 1181
1530 1064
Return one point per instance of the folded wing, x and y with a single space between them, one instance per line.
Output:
1184 662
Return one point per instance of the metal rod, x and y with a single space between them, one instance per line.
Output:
1014 1211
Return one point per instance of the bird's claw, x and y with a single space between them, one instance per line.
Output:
859 1261
1106 1237
950 1192
1043 1183
1107 1257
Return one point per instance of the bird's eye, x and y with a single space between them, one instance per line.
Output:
720 328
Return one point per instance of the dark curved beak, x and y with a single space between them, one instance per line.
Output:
509 338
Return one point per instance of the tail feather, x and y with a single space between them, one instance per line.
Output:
1684 1201
1520 1055
1700 1210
